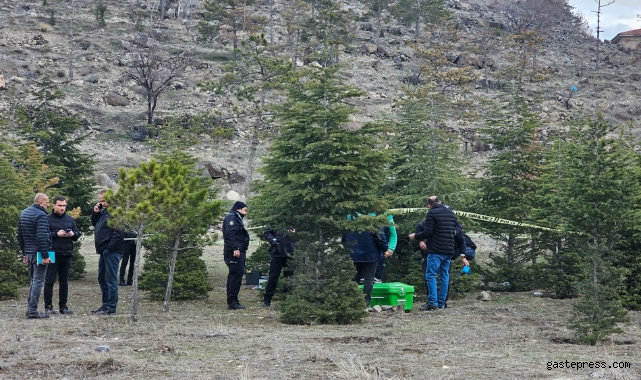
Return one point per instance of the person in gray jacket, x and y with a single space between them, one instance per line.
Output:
33 237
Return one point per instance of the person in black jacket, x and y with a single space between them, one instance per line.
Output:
440 235
236 242
64 232
128 257
282 245
110 245
33 237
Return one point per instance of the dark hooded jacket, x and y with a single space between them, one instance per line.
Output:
366 247
235 235
105 237
282 243
33 231
62 246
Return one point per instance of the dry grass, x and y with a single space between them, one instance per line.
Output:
512 337
44 27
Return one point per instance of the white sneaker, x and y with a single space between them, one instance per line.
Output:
377 280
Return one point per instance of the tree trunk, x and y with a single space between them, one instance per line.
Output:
172 267
487 80
509 250
163 4
378 27
271 25
73 15
150 112
134 295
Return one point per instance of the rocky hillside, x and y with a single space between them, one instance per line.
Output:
38 39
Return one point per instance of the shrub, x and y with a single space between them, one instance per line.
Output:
100 14
44 27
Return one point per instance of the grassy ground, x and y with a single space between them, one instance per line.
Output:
511 337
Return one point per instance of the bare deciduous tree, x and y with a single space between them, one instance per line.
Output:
600 4
154 73
527 15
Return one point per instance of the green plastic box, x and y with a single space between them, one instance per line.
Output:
393 294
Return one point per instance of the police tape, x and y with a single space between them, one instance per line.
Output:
471 215
216 242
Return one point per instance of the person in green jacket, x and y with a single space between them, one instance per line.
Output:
390 233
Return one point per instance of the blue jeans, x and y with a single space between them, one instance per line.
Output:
440 263
108 278
38 274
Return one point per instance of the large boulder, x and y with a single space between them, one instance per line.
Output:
232 195
216 172
114 99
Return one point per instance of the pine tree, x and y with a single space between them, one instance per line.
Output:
233 13
600 194
52 128
317 172
167 199
329 31
22 175
415 12
597 314
133 208
376 9
508 187
427 159
177 248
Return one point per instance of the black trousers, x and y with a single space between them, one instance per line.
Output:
276 264
380 268
236 267
59 269
366 272
128 257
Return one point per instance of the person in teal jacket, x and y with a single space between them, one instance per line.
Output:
390 233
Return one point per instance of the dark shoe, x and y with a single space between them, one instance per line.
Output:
106 312
122 283
49 310
65 310
130 282
427 307
267 304
235 306
37 315
101 308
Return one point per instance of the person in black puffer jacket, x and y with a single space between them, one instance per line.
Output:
281 250
440 236
64 232
236 242
110 245
33 237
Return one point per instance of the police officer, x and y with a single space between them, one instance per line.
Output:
236 240
281 249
